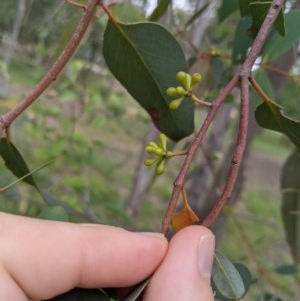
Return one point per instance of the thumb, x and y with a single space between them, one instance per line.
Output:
185 272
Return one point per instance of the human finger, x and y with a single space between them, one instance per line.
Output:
47 258
185 271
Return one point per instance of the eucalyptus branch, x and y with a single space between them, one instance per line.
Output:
237 155
178 184
53 73
243 76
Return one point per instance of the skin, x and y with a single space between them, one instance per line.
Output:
41 259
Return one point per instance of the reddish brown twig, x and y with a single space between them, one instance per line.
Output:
258 89
278 70
76 4
53 73
108 12
243 76
178 184
237 155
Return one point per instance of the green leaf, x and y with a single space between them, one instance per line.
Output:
131 294
15 162
244 6
53 201
259 10
269 297
82 294
289 269
17 165
242 41
269 115
277 45
145 58
226 278
226 9
279 24
138 289
290 209
245 275
160 9
56 213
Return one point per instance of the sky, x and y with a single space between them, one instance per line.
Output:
176 3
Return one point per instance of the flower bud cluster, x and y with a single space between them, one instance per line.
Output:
159 150
188 82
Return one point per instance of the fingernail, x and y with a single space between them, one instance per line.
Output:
206 247
156 234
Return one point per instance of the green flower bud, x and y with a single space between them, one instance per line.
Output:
160 167
150 149
180 76
174 104
159 152
153 144
196 78
162 141
171 92
184 79
214 52
181 91
150 161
